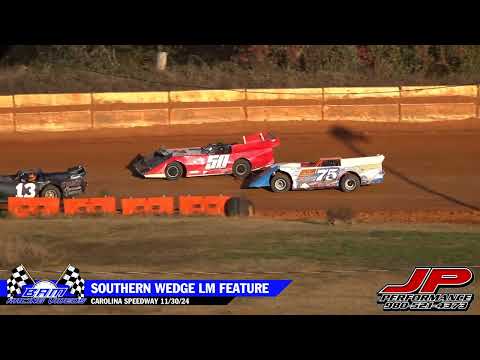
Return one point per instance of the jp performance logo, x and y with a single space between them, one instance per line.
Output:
420 292
23 289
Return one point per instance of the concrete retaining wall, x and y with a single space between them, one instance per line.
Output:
362 112
7 124
53 121
66 112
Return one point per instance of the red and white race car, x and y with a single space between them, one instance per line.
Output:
254 153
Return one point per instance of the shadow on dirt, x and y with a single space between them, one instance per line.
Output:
348 137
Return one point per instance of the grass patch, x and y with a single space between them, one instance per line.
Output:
225 244
385 249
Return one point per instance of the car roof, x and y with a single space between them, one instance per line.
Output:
30 170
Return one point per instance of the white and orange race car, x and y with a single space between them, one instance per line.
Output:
346 174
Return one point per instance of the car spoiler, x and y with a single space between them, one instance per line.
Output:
365 160
259 137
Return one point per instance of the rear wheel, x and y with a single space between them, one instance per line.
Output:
51 191
280 182
174 171
349 183
241 168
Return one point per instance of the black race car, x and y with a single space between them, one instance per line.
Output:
36 183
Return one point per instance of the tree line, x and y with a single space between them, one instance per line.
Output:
430 60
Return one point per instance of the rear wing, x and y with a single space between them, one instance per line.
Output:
259 137
366 160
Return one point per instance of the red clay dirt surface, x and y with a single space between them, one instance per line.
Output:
432 171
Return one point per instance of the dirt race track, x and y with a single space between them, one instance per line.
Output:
430 167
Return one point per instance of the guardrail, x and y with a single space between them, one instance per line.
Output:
68 112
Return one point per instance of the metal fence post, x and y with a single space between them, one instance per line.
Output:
169 109
92 121
245 107
323 104
399 104
14 114
478 101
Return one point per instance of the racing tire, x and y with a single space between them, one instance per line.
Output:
51 191
280 182
236 206
349 183
241 168
174 171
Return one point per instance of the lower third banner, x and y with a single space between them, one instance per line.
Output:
72 289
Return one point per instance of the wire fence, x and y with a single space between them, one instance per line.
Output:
203 87
63 112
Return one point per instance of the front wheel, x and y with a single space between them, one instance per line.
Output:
51 191
280 182
349 183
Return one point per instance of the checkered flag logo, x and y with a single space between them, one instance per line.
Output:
19 278
71 277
